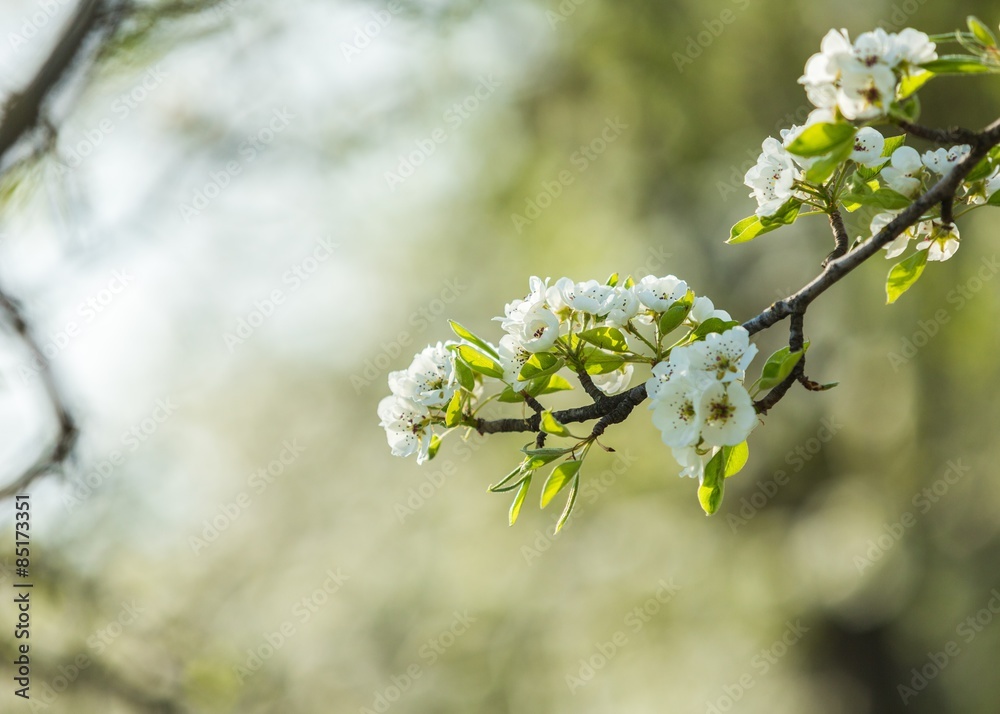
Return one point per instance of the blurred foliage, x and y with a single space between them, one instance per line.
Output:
350 577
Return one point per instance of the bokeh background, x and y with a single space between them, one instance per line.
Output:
233 534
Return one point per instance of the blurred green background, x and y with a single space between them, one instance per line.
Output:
256 548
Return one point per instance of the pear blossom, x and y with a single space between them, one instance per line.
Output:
941 161
704 309
662 372
676 411
868 145
407 427
721 356
865 90
535 328
912 47
728 413
940 241
430 380
590 297
903 175
772 178
560 295
898 245
614 382
621 306
512 358
860 79
658 294
691 461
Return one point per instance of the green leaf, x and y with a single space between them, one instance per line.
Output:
540 364
912 82
570 502
501 485
515 507
821 139
713 485
550 425
466 379
981 31
884 198
980 171
610 338
779 366
892 143
994 200
903 275
612 280
598 362
823 169
735 458
958 64
453 414
468 336
870 172
555 383
539 460
432 449
552 451
908 109
480 362
557 480
712 324
676 314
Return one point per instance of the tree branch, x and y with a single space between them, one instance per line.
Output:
953 135
614 409
839 236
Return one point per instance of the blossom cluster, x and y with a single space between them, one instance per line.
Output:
699 400
419 395
599 332
860 80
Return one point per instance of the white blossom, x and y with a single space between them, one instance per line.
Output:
658 294
868 145
430 379
704 309
590 297
407 427
621 306
865 91
903 173
721 356
728 414
941 241
676 411
941 161
691 461
512 358
772 178
614 382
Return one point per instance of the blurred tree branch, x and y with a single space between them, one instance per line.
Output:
91 34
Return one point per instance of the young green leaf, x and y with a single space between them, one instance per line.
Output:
540 364
903 275
713 485
453 414
502 484
468 336
958 64
892 143
522 492
480 362
734 459
610 338
557 480
597 362
554 383
612 280
676 314
712 324
823 169
981 31
432 449
911 83
550 425
466 379
779 366
821 139
570 502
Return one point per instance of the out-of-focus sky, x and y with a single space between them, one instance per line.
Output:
224 268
